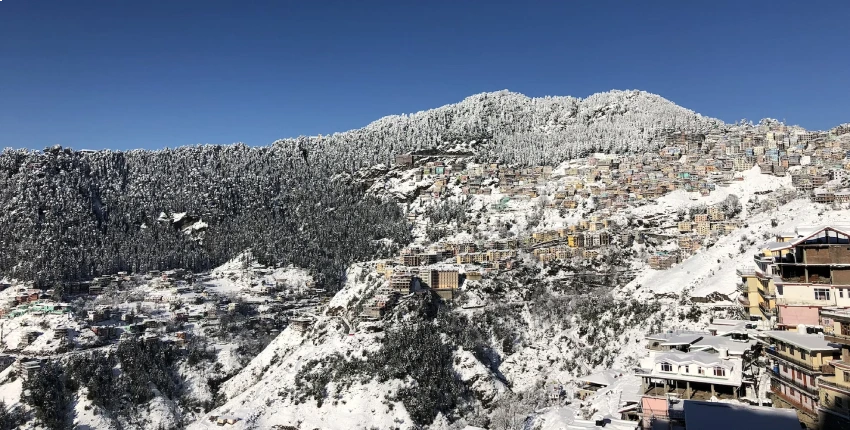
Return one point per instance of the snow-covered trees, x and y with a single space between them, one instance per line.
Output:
70 215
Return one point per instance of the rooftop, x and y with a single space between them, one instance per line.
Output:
734 347
683 337
697 357
733 416
605 378
810 342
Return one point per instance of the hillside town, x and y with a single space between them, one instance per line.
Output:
780 362
172 307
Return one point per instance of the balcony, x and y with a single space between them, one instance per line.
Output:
765 259
832 335
792 360
802 302
796 383
746 273
823 382
797 405
766 294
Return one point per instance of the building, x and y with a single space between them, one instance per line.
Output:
662 260
796 362
810 273
401 280
702 415
758 295
688 375
404 160
834 397
676 340
594 382
447 279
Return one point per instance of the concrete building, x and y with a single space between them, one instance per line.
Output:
834 390
796 362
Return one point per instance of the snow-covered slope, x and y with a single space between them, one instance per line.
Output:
712 270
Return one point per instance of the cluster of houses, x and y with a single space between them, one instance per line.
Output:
169 307
686 161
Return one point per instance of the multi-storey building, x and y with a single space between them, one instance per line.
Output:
797 360
758 295
811 272
694 375
834 402
798 274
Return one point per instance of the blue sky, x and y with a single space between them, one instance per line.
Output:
153 74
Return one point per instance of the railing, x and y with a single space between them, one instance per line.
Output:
799 385
803 302
745 272
797 405
758 258
825 383
766 295
793 360
766 310
832 335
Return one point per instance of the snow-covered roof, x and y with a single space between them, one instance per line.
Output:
605 378
677 337
811 342
716 415
702 359
735 347
697 357
808 232
729 322
776 246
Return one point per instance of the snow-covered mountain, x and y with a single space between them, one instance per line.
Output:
516 128
323 213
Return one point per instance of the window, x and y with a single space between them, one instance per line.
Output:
821 293
791 349
785 368
719 371
666 367
687 369
841 293
838 402
803 354
846 376
700 371
782 347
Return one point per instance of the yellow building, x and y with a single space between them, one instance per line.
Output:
575 241
834 404
797 361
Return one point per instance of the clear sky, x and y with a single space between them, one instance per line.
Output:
124 74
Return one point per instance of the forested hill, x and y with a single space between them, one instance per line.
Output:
518 129
71 215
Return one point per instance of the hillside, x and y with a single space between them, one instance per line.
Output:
517 245
513 128
101 209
